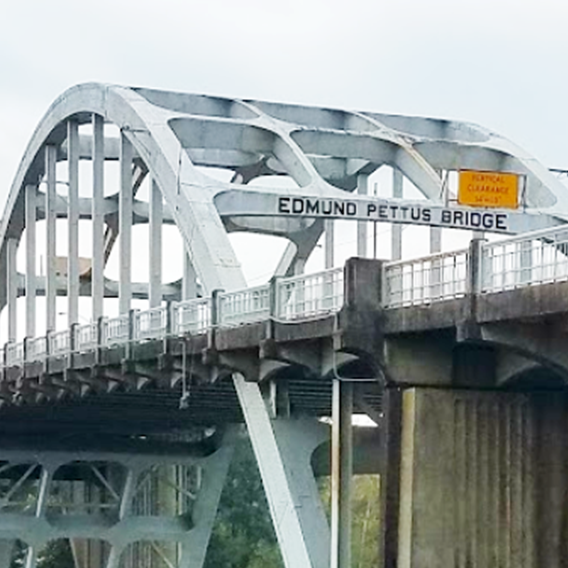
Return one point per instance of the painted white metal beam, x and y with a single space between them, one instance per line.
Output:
396 228
341 473
51 236
362 226
73 223
155 245
189 279
12 288
283 448
97 266
125 225
31 251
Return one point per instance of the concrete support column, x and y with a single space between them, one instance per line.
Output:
97 270
341 474
51 236
469 492
396 238
283 449
125 225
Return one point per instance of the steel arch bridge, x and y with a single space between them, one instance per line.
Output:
170 141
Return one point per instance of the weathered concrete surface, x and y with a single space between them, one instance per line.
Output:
483 479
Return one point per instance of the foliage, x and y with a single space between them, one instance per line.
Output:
243 536
57 554
365 510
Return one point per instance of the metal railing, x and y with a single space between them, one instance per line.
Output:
191 316
86 337
525 260
59 342
310 295
14 354
116 330
244 306
150 324
36 349
424 280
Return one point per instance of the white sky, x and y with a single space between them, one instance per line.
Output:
499 63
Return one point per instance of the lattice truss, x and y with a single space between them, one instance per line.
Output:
174 140
109 510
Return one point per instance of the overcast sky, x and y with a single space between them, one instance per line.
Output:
499 63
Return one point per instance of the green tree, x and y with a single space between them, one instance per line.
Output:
56 554
243 536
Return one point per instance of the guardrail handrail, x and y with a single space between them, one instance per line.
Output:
36 349
149 324
435 256
86 337
191 316
297 297
244 306
116 330
521 260
59 342
525 260
423 280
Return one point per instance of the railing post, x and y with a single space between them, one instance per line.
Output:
100 339
73 345
474 267
473 287
362 283
4 361
210 354
274 297
25 352
173 318
216 310
131 333
362 303
273 308
48 334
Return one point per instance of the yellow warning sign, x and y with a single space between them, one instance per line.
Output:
488 189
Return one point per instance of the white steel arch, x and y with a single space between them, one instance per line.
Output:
327 153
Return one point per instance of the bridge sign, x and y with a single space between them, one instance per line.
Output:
238 203
488 189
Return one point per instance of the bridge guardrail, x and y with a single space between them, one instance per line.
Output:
525 260
424 280
150 324
244 306
14 354
86 337
36 349
59 342
309 295
116 330
191 316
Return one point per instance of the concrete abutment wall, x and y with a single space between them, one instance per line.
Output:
483 480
